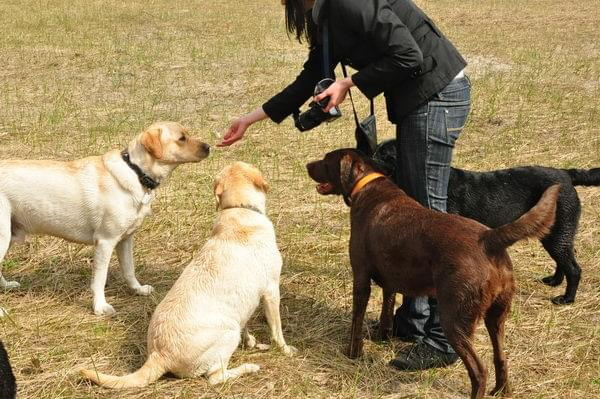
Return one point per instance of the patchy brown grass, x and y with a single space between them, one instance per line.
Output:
82 77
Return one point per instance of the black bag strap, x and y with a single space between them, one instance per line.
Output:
326 54
352 100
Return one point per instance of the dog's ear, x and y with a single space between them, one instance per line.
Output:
348 173
151 142
259 181
218 192
351 168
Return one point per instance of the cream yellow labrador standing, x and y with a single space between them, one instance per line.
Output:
99 200
199 324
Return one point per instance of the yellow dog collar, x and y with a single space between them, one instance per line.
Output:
364 181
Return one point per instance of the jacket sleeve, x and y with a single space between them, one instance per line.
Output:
293 96
375 20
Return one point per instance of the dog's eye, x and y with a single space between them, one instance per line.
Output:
182 138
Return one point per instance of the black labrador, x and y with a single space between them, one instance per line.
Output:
8 386
498 197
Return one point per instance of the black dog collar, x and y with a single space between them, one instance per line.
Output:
145 180
243 206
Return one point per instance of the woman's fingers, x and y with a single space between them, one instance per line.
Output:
336 93
228 140
323 94
235 132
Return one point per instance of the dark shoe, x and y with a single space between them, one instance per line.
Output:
373 326
421 357
405 338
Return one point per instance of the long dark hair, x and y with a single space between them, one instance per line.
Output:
299 22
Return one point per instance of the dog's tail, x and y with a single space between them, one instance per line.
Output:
151 371
584 177
536 222
8 384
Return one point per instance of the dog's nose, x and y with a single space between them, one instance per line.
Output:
205 147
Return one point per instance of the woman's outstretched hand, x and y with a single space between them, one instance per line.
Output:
336 93
234 133
238 127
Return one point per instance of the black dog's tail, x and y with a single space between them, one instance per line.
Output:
8 384
536 222
584 177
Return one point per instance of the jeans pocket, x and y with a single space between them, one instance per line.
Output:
455 118
457 91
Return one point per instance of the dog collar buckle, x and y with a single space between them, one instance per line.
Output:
144 179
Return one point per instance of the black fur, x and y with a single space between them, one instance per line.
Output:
8 385
498 197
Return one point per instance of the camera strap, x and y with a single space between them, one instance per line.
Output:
366 130
352 100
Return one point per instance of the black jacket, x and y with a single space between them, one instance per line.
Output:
394 46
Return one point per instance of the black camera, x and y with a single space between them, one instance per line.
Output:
315 115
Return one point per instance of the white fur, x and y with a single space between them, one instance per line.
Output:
199 324
96 200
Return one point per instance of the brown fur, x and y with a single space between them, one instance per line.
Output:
407 248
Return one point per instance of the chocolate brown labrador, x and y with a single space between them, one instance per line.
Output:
404 247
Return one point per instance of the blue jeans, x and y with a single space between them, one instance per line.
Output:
425 140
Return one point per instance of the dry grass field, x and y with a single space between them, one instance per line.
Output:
82 77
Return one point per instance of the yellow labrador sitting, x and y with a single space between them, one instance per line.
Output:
99 200
198 325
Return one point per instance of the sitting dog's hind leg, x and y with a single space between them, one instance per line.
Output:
250 341
5 237
220 376
222 349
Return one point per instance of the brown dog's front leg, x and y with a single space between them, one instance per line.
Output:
360 297
387 314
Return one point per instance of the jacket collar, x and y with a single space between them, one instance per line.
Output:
319 11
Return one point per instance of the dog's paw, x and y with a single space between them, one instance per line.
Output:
250 341
503 391
562 300
384 335
144 290
263 347
251 367
104 309
551 281
353 351
9 285
289 350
